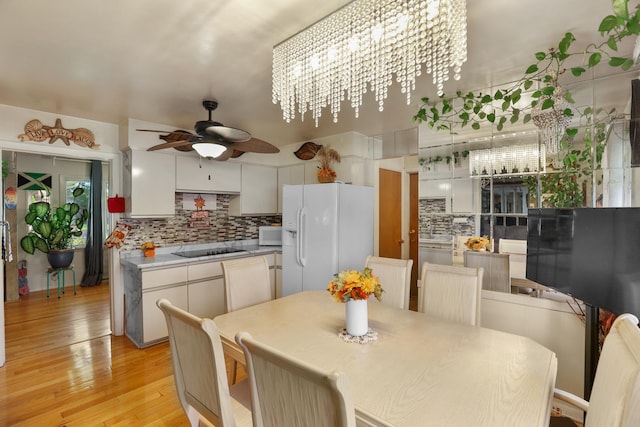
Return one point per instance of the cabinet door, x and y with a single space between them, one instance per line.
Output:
206 298
154 325
152 184
259 193
289 175
200 174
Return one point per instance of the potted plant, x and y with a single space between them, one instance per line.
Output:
326 157
52 229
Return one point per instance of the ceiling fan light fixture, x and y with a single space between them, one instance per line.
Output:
206 149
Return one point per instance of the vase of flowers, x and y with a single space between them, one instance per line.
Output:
478 243
149 249
353 288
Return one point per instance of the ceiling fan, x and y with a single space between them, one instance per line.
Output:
213 139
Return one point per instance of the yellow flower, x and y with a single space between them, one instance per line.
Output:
356 285
147 245
478 243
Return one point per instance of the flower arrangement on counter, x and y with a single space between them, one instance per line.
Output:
355 285
149 249
478 243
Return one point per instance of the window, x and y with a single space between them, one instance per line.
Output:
83 200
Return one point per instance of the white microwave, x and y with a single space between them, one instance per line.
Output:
270 236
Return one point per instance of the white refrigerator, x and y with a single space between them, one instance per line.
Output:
326 228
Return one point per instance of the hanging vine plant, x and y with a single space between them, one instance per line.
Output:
476 109
575 162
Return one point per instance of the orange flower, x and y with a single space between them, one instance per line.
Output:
478 243
352 284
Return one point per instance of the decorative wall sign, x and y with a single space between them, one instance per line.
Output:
198 202
10 198
34 130
307 151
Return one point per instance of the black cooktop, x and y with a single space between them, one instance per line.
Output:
207 252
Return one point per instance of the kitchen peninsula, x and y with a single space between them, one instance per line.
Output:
190 276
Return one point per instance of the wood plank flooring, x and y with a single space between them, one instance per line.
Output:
65 369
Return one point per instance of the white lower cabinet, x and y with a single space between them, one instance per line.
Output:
195 287
154 325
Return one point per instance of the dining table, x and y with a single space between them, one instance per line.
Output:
419 371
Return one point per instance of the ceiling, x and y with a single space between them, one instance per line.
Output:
156 60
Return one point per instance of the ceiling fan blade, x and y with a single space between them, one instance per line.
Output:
171 144
229 134
255 145
152 130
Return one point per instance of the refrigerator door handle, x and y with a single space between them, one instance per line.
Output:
301 238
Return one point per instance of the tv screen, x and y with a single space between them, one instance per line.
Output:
592 254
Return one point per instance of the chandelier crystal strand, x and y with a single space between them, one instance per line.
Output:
361 47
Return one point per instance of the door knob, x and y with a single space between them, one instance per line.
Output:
401 241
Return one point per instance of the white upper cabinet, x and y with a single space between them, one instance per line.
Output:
289 175
259 192
150 184
198 174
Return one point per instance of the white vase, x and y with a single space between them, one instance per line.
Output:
357 317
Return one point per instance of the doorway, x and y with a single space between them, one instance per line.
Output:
390 214
37 264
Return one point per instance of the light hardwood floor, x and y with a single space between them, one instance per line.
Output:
65 369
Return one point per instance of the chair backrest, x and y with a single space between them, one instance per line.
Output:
246 282
460 248
517 250
496 269
615 396
198 366
451 292
289 392
395 278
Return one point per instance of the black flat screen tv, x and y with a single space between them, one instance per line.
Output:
592 254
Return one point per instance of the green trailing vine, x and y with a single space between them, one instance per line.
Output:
475 109
566 186
456 156
5 169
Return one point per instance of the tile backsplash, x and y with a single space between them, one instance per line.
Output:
176 230
433 220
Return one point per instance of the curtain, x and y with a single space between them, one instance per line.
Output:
93 251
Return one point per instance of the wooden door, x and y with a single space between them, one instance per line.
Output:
413 231
390 214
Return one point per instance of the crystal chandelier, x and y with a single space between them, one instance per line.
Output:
509 160
552 122
361 46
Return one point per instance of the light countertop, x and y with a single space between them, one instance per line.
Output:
165 255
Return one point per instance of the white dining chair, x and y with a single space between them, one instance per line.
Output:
460 248
615 396
450 292
395 277
199 371
288 392
496 269
246 283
